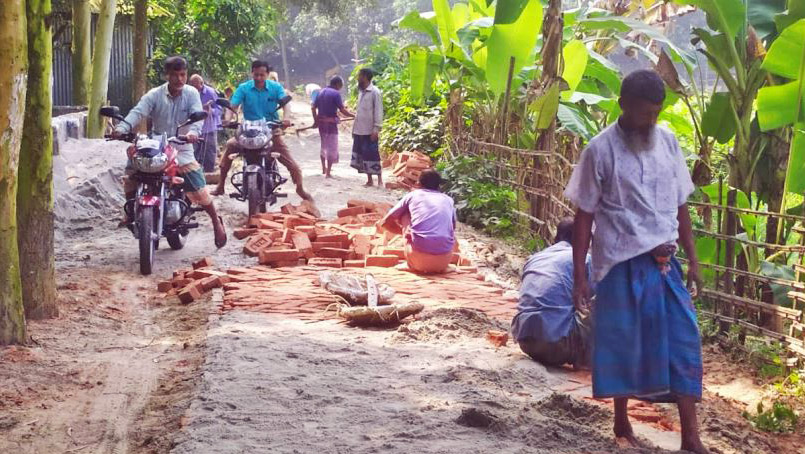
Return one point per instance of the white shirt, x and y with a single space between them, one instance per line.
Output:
369 113
633 196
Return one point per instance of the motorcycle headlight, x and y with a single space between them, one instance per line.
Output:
253 143
153 164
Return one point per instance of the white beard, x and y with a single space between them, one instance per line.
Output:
640 143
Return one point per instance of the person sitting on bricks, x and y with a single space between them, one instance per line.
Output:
426 217
169 106
547 325
259 98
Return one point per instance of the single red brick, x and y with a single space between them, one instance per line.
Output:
189 294
164 286
362 245
255 244
307 216
335 253
285 263
354 263
328 262
369 219
288 208
308 230
341 238
243 233
369 206
302 242
202 263
287 235
220 281
179 283
209 283
391 185
268 256
269 225
399 252
238 270
464 261
386 261
179 274
345 220
455 259
319 245
353 211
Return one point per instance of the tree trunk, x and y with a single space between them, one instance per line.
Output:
13 80
285 71
35 174
100 67
82 52
140 48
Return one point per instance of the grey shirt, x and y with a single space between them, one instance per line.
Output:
633 196
166 111
369 113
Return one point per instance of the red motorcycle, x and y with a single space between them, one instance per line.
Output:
160 206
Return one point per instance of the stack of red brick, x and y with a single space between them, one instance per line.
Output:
407 166
190 284
294 237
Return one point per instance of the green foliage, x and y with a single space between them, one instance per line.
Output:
218 37
780 418
414 128
480 201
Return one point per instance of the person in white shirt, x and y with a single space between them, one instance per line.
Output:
366 129
632 181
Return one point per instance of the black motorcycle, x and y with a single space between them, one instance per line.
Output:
160 206
259 180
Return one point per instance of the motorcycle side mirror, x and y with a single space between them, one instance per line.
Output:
223 103
111 112
197 116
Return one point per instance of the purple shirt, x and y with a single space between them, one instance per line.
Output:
328 102
213 121
433 220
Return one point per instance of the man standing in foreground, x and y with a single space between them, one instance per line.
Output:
207 149
260 98
326 106
366 129
632 181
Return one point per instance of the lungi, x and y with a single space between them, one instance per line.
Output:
646 342
366 155
329 141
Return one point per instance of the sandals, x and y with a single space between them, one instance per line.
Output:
222 243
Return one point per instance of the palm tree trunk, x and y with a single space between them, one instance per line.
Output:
100 67
13 80
82 52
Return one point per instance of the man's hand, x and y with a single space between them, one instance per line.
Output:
116 134
131 150
581 295
192 137
694 279
375 136
286 123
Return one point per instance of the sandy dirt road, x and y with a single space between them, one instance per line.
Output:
123 370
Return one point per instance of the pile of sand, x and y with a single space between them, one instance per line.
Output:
447 324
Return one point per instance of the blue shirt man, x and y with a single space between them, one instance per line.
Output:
259 100
547 325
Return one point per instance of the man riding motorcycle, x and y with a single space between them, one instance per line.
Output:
168 106
259 98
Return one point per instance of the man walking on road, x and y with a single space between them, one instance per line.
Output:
632 181
207 149
325 116
259 98
366 129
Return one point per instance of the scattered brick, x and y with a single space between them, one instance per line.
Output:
354 263
255 244
189 294
164 286
385 261
362 245
353 211
455 259
209 283
303 244
319 245
464 261
269 225
393 251
341 238
345 220
369 206
497 338
327 262
183 282
308 230
243 233
288 208
285 264
203 263
268 256
335 253
369 219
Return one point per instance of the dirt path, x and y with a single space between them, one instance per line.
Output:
123 370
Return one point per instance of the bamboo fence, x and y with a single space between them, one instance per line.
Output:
739 299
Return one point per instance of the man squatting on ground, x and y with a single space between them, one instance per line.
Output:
426 218
326 106
168 106
259 98
547 326
207 150
632 181
366 129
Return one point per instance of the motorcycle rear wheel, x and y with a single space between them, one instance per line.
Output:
147 243
254 195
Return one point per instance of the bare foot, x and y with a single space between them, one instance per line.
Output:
219 190
694 446
625 438
327 175
369 184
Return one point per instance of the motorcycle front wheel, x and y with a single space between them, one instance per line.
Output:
147 243
254 195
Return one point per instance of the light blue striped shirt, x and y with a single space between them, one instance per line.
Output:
165 111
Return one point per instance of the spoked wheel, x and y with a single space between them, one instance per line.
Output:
147 242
